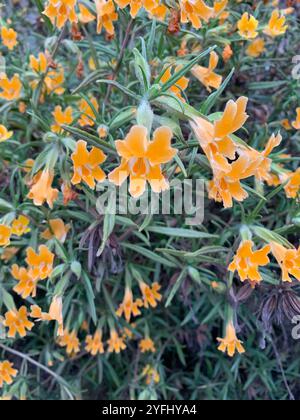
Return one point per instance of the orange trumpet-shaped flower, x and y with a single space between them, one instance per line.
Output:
57 229
5 234
256 48
56 313
94 344
9 37
61 118
85 16
247 262
219 7
181 84
41 264
27 281
146 344
88 115
86 165
129 307
292 188
70 341
36 313
7 373
195 11
230 342
276 25
59 12
207 76
106 15
288 260
40 64
296 123
115 343
151 294
227 53
20 226
142 159
152 6
247 26
5 134
17 322
11 88
42 189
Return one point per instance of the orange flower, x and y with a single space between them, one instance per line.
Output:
151 294
276 25
59 12
17 322
256 48
289 261
152 6
85 16
219 7
56 313
94 344
7 373
42 190
61 117
40 64
9 37
41 264
227 53
247 261
128 306
11 88
287 125
194 11
5 134
27 281
230 343
292 188
57 229
142 159
296 123
206 75
146 344
88 116
86 165
54 81
5 234
115 343
9 253
180 85
152 375
68 193
70 341
102 131
20 226
106 15
247 26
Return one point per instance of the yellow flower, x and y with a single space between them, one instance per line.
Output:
230 343
142 160
151 294
247 261
115 343
5 134
57 229
207 76
59 12
85 16
276 25
70 341
195 11
256 48
247 26
146 344
5 234
94 344
27 281
20 226
106 15
129 307
11 88
292 188
87 165
9 37
17 322
289 261
296 123
41 264
152 375
7 373
42 189
181 84
40 64
87 113
152 6
61 118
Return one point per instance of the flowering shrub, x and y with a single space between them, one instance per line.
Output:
127 99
